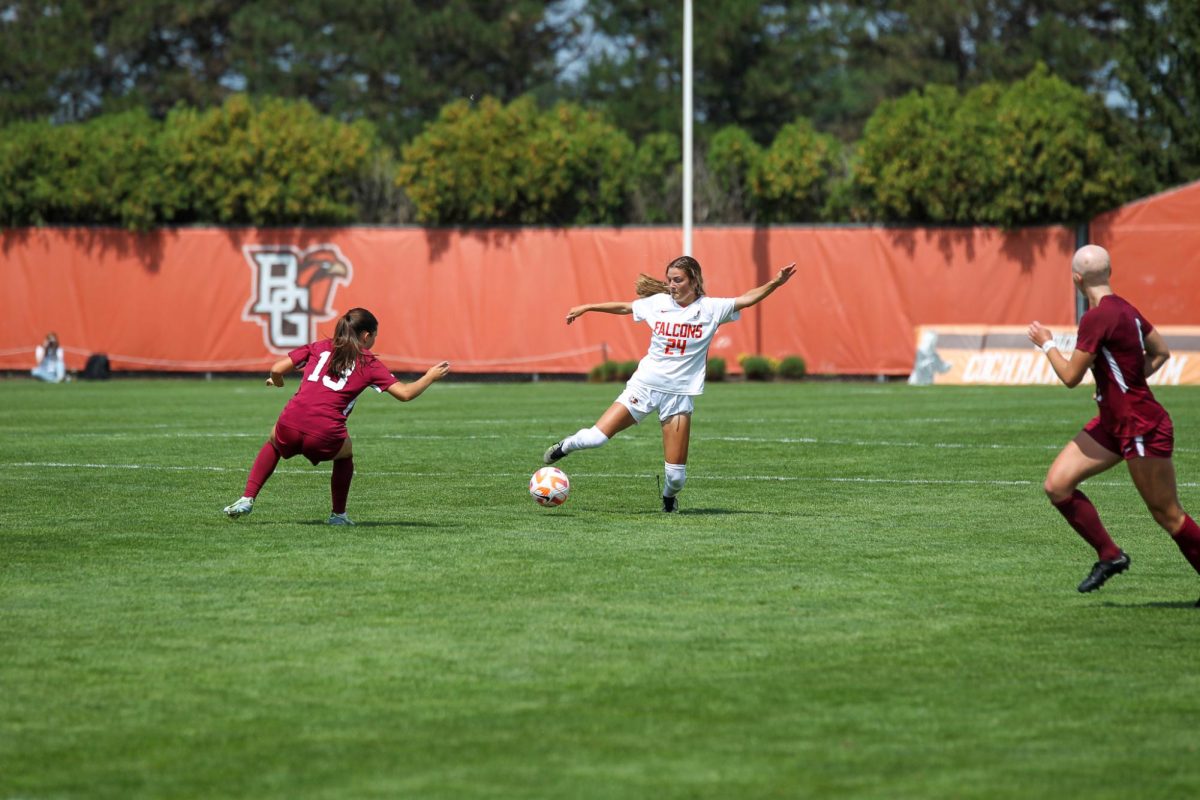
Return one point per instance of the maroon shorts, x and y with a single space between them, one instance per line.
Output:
1158 442
290 442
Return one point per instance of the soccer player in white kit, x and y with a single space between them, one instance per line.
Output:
683 321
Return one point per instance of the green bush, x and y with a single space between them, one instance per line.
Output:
108 171
29 171
490 163
902 164
1058 151
274 162
715 370
625 370
126 173
731 156
793 180
656 179
757 368
606 371
1036 151
792 367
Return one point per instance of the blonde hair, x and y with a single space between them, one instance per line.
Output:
647 286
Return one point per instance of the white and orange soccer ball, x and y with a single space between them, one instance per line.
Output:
549 486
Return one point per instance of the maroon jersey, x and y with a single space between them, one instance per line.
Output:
1114 331
322 403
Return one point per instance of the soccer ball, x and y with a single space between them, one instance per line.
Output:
549 486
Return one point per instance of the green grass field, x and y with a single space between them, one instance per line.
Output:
866 595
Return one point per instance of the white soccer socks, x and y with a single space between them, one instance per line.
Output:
675 478
584 439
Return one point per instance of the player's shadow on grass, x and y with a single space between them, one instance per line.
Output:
699 512
375 524
1191 604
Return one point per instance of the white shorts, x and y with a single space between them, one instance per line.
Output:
641 400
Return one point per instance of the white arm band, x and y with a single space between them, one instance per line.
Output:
1048 346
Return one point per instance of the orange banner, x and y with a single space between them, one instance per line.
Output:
494 300
1003 356
1155 248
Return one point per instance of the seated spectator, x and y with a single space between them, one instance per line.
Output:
50 364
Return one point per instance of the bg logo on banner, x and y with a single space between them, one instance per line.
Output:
293 290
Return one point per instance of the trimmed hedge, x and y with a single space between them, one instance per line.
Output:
715 369
757 368
1033 152
516 164
792 367
272 162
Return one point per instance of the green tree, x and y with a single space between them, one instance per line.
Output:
72 60
30 164
1158 61
901 166
47 61
155 54
730 158
757 65
1052 154
108 171
396 62
274 162
121 172
1032 152
792 181
760 65
656 180
904 46
489 163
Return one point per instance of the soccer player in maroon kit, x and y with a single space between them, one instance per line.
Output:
1122 349
313 423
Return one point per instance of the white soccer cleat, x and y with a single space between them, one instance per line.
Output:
339 519
240 508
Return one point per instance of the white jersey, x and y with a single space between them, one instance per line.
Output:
680 336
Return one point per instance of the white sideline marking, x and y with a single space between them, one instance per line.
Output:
414 474
869 443
809 440
801 440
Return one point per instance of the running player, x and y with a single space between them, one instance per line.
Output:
1122 349
313 423
683 321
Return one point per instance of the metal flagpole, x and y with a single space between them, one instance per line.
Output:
687 127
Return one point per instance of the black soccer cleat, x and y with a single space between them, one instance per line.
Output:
554 453
1102 571
669 504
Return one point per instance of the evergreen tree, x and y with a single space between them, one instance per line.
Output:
1159 71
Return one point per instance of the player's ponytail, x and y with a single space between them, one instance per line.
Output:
347 339
647 286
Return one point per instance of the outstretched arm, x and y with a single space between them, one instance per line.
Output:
605 308
280 368
410 391
1069 371
756 296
